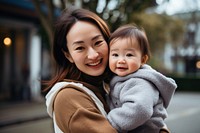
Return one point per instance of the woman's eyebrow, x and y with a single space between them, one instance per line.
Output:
96 37
77 42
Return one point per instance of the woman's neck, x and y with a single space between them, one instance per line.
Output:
96 81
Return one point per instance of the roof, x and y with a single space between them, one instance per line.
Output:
18 9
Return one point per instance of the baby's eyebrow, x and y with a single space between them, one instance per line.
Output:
114 50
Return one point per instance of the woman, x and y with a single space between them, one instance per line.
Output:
76 100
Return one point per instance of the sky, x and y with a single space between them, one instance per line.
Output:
178 6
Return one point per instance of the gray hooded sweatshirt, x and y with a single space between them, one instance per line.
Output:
138 101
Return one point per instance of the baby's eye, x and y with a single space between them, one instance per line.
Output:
129 55
114 54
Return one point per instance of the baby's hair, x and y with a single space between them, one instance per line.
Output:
132 31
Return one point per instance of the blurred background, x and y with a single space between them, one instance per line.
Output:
26 37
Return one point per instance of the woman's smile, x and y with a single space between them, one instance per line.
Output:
95 63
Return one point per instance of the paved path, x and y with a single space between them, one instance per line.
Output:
184 116
29 117
184 113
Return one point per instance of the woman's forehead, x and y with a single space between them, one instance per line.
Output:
81 29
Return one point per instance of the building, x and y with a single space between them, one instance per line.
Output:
189 52
185 59
20 51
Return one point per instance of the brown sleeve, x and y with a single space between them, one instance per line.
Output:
76 112
164 130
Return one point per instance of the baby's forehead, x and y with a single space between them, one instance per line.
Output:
129 41
124 45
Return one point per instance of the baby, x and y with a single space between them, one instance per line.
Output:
139 95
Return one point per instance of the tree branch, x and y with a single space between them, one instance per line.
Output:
46 22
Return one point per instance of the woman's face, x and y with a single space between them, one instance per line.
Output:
87 48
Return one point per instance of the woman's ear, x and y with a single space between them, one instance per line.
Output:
144 59
68 56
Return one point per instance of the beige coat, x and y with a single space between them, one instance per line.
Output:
75 111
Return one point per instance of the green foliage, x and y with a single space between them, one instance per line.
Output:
188 83
90 5
160 29
121 13
127 8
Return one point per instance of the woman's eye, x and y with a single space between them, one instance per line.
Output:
98 42
79 48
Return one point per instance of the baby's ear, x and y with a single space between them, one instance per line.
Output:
145 59
68 56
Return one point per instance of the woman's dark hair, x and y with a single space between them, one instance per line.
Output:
132 31
64 68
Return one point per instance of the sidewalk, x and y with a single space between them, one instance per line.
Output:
12 113
31 117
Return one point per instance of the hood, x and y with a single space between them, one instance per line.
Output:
165 85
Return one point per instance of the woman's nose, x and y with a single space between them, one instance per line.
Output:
92 53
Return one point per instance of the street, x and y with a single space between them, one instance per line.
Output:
184 113
184 117
40 126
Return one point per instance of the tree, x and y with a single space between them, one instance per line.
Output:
118 12
160 29
46 17
115 16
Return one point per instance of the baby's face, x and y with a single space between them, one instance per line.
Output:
125 56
